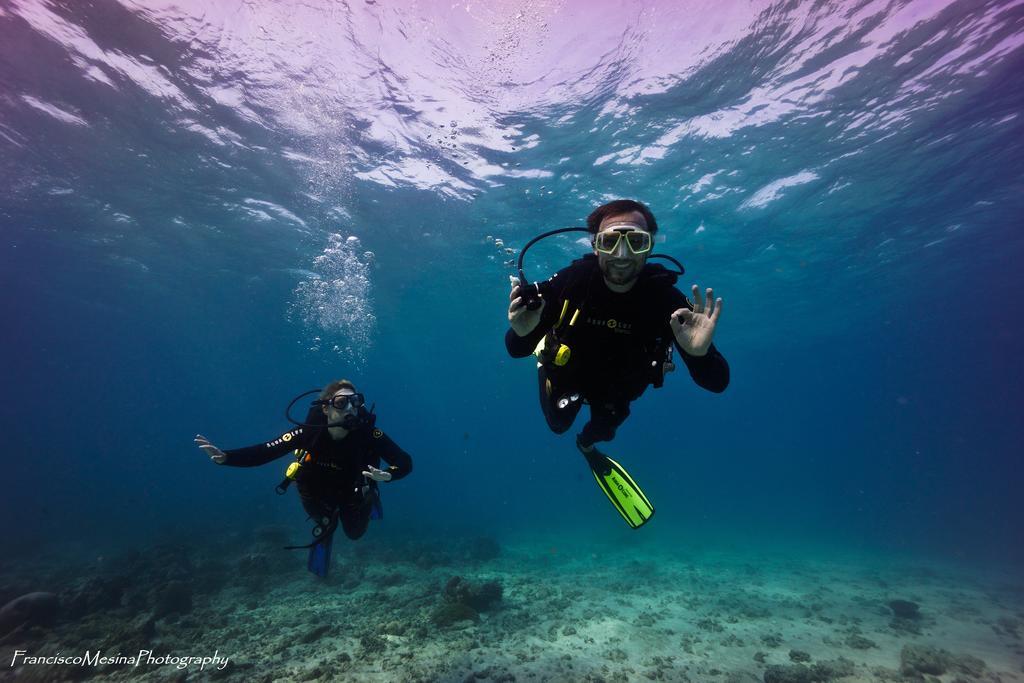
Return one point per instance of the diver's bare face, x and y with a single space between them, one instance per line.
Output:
622 267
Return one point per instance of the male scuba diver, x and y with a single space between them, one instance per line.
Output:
603 330
338 452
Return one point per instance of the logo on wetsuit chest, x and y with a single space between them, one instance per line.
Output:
612 324
329 464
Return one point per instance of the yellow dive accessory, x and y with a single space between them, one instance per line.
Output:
302 456
549 348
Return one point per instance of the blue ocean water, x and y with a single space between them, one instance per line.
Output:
209 208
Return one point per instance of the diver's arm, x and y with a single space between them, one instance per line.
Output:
710 371
206 446
252 456
520 347
400 463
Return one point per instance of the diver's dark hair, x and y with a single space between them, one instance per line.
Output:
332 388
617 207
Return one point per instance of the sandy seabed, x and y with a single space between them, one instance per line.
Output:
474 610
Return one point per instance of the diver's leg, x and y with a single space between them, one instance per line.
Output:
318 509
354 520
605 417
559 404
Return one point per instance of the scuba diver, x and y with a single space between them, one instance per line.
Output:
338 452
603 329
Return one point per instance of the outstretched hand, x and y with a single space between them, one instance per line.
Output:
376 474
522 320
216 454
694 329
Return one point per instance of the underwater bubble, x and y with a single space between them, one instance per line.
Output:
333 301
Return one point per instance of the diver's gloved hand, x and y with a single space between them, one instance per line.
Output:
522 320
216 454
694 329
377 475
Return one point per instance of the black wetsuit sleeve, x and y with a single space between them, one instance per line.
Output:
400 463
551 290
260 454
710 371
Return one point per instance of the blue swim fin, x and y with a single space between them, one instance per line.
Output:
320 556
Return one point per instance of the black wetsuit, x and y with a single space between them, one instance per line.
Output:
333 480
617 345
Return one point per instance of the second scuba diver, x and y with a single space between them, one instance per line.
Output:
338 452
603 329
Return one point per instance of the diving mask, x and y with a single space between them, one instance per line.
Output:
639 241
342 401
